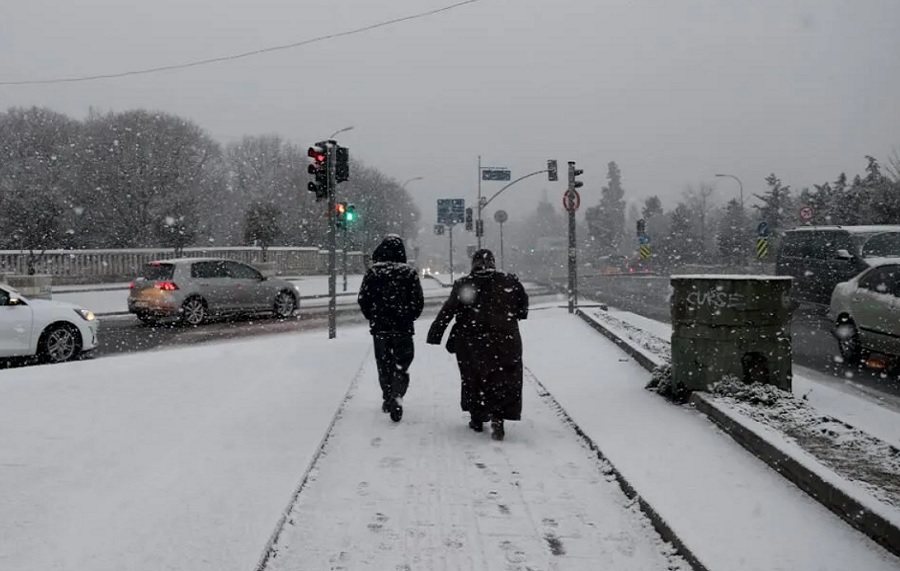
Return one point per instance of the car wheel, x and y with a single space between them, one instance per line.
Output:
848 341
193 311
285 305
59 343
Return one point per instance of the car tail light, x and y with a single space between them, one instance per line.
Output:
166 286
131 285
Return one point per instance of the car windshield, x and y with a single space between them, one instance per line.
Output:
157 271
885 245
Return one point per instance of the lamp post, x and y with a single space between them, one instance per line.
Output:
339 131
740 184
743 228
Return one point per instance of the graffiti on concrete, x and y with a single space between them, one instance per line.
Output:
715 300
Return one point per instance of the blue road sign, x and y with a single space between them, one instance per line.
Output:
644 238
763 228
451 211
495 174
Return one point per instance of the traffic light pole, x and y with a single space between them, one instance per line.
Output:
478 224
573 266
344 263
332 243
451 251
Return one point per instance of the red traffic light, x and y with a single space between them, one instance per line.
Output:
316 154
340 208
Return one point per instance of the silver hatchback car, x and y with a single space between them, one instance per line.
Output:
194 289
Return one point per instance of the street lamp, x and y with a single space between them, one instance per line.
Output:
411 180
739 184
339 131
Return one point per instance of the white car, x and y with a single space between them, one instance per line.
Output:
866 311
54 331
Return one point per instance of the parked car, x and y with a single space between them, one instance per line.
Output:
866 311
194 289
53 331
820 257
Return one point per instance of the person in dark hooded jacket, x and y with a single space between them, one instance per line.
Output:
391 300
487 305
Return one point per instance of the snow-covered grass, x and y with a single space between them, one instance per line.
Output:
848 451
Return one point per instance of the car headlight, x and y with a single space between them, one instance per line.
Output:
86 315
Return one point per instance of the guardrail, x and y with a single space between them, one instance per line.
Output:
88 266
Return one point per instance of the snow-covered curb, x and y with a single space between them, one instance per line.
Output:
859 508
848 500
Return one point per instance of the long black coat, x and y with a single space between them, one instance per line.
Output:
487 305
390 296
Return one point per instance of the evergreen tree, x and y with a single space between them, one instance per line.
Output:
681 245
606 221
776 205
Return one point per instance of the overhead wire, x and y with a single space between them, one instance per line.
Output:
232 57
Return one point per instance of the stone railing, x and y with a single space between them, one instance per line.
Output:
89 266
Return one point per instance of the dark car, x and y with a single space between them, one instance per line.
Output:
820 257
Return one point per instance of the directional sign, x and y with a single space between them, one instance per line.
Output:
495 174
451 211
806 213
571 200
645 251
762 229
644 239
762 247
470 250
500 217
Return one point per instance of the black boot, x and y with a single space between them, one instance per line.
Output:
397 409
476 425
497 432
386 406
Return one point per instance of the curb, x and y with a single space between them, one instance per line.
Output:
639 356
872 525
659 524
877 528
269 551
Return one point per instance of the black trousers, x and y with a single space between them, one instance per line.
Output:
394 354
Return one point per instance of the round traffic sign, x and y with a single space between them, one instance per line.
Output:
571 200
500 217
806 213
762 228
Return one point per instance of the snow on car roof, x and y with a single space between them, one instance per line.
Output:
872 229
729 277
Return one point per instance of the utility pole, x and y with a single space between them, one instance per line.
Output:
346 241
331 163
571 200
450 231
478 217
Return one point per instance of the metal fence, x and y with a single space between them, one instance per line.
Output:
85 266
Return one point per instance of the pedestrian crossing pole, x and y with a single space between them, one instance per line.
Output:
331 163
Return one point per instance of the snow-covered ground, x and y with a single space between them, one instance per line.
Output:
187 458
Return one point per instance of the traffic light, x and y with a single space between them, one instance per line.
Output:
552 173
641 227
479 228
350 214
573 172
342 165
469 216
319 169
340 213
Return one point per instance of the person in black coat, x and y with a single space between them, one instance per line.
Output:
391 300
487 305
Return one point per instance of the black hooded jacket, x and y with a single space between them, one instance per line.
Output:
391 294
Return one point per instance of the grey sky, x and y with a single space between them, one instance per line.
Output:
674 91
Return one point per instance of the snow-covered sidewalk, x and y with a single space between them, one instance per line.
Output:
733 511
429 493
